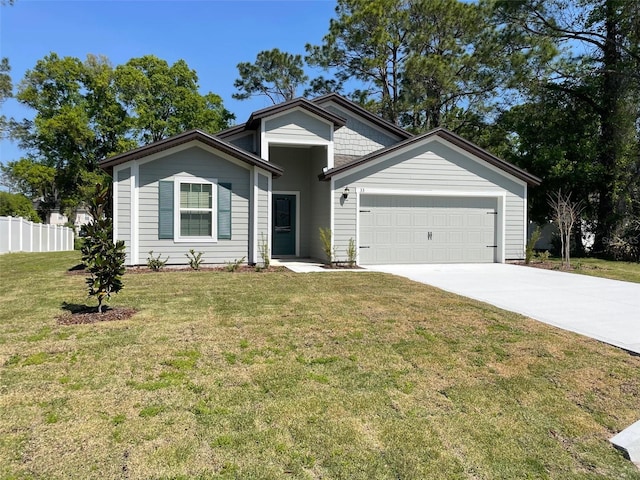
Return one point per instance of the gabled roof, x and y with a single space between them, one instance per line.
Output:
302 103
186 137
361 112
451 138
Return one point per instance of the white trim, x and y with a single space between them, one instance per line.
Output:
269 213
264 143
297 141
255 198
330 152
500 196
423 143
177 238
332 208
526 222
357 228
297 195
431 193
114 204
299 109
134 183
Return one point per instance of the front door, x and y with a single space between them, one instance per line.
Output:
284 224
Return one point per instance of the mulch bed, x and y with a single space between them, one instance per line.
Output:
81 315
557 266
80 270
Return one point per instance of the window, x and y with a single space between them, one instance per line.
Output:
194 210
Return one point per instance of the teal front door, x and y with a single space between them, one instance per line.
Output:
284 224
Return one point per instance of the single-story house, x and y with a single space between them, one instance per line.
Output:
270 184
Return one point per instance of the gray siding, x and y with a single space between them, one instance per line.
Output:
320 208
357 137
301 169
297 176
263 213
193 162
244 141
297 126
435 166
123 214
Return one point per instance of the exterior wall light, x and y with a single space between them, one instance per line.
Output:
345 193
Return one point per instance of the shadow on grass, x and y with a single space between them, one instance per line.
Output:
77 308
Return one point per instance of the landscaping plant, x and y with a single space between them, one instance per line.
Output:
195 259
234 266
103 258
565 213
351 252
263 248
155 263
325 238
531 244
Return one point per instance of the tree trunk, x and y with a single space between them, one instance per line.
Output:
612 132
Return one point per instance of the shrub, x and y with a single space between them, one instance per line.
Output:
234 266
195 260
263 248
351 252
155 263
325 239
103 258
531 245
543 257
17 205
625 245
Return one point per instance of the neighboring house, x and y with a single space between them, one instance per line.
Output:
302 165
82 217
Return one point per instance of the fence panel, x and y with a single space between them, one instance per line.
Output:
20 235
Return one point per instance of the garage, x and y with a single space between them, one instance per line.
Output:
404 229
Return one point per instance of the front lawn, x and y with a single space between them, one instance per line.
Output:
596 267
281 375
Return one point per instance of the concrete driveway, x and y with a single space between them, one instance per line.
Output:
607 310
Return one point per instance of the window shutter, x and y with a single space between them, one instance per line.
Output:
224 211
165 210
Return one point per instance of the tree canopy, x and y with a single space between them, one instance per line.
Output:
275 74
88 110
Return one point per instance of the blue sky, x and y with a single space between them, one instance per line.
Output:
212 36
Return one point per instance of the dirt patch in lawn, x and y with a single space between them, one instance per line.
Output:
82 314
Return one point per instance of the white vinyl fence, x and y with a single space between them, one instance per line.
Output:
20 235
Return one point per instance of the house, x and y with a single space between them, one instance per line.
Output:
295 167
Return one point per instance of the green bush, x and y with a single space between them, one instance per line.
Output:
103 258
325 239
234 266
195 259
263 248
155 263
531 244
17 205
351 252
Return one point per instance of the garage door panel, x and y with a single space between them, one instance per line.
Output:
411 229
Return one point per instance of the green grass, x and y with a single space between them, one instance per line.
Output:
596 267
277 375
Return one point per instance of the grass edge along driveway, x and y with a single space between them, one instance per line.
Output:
279 375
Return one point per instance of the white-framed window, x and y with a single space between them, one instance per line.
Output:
193 209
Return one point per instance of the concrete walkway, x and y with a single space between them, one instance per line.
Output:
607 310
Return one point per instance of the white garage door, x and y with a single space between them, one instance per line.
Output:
413 229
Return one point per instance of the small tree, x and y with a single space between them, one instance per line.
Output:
565 214
325 239
103 258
